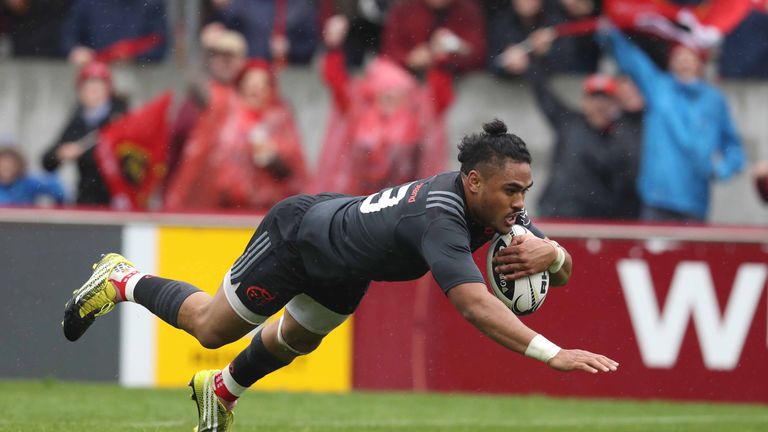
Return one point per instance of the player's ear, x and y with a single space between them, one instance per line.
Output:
474 180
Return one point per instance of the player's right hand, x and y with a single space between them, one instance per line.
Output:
568 360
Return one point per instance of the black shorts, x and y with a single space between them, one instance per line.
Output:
270 272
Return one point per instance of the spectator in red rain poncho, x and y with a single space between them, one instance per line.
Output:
244 154
225 55
385 127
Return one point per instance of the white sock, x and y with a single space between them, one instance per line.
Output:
130 285
125 277
234 388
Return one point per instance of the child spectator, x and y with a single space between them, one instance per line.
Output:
244 154
19 188
97 105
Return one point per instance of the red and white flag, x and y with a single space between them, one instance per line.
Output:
131 153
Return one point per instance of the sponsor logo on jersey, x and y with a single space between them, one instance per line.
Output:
414 193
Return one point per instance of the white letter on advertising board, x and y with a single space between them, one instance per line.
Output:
660 331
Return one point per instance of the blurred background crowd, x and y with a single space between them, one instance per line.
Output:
645 137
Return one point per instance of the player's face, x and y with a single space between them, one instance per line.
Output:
500 194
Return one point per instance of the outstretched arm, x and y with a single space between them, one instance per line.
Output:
333 63
631 60
548 101
491 317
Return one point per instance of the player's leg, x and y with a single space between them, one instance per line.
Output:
210 319
267 276
299 331
216 391
239 305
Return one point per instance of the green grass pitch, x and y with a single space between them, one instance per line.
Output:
31 406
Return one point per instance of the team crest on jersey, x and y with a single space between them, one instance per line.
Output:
258 295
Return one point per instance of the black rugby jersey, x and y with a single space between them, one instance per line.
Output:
397 234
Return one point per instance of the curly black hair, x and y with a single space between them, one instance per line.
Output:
492 146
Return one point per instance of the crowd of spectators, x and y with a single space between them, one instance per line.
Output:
644 143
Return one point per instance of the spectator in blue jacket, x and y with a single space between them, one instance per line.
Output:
18 188
93 25
282 31
689 137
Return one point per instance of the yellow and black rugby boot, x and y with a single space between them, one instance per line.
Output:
95 298
212 416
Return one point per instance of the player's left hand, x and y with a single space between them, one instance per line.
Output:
575 359
525 255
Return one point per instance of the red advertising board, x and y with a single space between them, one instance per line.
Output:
687 319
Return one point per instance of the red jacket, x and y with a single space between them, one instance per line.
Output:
373 142
217 168
411 23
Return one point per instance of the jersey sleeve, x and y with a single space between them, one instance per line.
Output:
445 248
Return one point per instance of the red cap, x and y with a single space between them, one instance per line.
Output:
95 70
600 83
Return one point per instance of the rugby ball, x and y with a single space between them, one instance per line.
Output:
522 296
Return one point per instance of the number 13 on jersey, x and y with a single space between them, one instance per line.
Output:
387 198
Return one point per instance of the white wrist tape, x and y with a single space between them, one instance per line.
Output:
541 348
557 264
